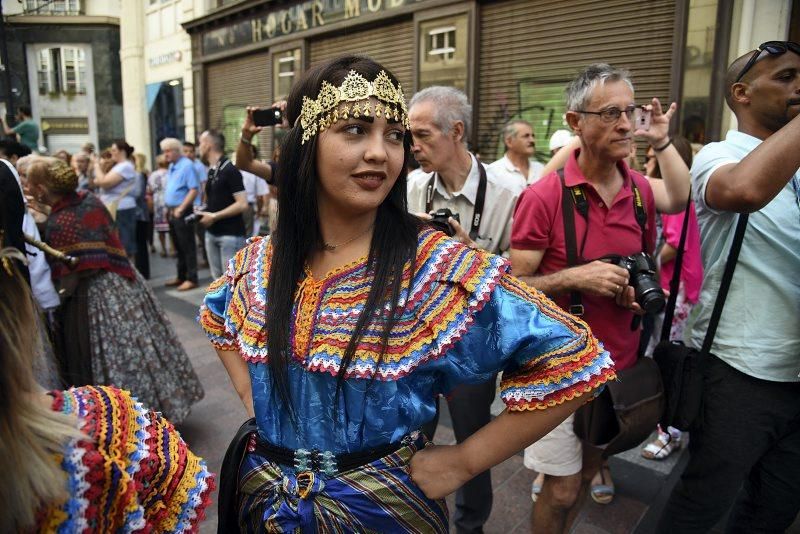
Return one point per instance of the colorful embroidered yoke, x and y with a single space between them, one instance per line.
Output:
134 473
464 319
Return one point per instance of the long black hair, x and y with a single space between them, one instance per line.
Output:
394 240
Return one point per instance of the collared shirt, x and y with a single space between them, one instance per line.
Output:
181 179
539 225
494 233
759 331
507 172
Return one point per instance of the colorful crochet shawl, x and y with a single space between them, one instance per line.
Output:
133 473
81 226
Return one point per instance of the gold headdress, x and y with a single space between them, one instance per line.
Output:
333 103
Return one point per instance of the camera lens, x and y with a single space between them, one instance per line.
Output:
649 294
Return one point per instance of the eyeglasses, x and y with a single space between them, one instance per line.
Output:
612 114
773 48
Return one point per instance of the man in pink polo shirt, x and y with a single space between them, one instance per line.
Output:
600 103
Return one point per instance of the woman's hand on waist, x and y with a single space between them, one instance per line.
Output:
439 470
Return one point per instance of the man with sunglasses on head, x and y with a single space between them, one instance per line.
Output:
601 192
746 450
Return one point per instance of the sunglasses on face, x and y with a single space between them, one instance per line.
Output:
773 48
610 115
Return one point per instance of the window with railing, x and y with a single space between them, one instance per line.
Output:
53 7
61 70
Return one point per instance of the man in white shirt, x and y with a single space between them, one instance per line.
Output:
257 191
516 167
453 178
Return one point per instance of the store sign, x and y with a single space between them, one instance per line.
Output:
297 18
65 125
164 59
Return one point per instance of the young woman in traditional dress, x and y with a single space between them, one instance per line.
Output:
340 330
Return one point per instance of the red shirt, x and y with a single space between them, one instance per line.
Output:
539 225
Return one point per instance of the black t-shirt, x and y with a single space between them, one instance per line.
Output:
223 182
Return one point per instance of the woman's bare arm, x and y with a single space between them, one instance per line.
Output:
240 377
441 469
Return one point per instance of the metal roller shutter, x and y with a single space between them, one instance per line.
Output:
381 44
530 49
231 85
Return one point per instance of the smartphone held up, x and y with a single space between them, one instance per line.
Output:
641 118
267 116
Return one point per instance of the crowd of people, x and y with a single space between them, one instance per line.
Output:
391 267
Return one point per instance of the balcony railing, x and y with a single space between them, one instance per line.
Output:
53 7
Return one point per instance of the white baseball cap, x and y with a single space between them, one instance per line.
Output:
559 139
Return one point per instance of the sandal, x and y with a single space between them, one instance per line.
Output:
603 493
661 447
536 486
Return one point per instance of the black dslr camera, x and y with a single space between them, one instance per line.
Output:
439 221
642 273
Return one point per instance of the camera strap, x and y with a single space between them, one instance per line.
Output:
576 196
579 201
480 198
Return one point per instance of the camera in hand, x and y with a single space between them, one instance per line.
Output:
642 273
194 216
439 221
267 116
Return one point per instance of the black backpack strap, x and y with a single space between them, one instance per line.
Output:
568 205
674 284
725 284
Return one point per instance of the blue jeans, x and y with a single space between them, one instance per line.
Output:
220 250
126 226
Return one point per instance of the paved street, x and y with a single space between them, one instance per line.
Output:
642 486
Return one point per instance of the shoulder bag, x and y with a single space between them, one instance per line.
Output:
681 366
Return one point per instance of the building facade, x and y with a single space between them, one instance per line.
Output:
512 57
64 64
157 72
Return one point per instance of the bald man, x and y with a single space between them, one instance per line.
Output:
746 451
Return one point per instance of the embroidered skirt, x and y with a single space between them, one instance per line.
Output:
377 497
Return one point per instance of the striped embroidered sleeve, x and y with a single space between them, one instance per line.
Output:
213 313
557 360
546 355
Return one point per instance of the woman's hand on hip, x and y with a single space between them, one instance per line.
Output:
439 470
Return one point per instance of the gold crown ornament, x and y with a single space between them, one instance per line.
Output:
334 103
